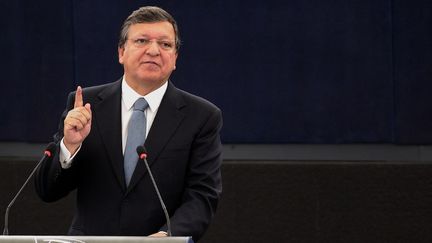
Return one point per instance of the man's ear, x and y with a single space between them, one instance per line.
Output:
120 54
175 61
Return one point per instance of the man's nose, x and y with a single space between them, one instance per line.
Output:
153 48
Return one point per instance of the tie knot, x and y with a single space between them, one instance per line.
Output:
141 104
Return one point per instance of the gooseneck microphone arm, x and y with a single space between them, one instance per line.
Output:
47 154
142 154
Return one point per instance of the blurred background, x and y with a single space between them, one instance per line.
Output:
326 104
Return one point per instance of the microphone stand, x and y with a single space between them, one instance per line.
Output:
47 154
142 154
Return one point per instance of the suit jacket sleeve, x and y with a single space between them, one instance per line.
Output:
52 182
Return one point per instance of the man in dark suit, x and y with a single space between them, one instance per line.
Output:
182 140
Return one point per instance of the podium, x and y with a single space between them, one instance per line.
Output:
91 239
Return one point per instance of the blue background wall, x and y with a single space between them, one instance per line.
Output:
347 71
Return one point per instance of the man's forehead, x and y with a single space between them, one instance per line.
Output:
163 27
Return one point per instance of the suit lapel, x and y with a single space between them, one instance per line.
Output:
107 116
165 124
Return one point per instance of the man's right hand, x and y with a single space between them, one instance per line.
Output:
77 123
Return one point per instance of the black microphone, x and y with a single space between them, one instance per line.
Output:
47 154
142 154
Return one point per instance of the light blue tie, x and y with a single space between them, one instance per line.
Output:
135 137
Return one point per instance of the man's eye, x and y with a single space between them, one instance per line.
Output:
141 41
166 44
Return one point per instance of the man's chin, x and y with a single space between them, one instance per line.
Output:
153 81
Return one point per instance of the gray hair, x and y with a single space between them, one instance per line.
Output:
148 14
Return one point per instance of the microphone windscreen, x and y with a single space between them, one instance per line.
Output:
49 150
141 150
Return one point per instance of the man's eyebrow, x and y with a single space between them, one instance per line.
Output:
163 37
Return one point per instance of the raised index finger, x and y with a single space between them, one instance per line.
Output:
78 98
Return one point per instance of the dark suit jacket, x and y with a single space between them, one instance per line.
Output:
184 153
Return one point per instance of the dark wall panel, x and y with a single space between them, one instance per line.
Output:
37 67
282 71
265 201
413 71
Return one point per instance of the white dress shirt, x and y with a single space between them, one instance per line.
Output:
129 96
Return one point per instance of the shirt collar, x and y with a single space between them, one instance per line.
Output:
154 98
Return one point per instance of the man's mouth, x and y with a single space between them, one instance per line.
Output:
151 62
